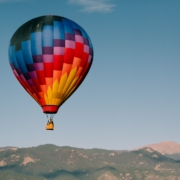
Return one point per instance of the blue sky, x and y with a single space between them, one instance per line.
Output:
131 96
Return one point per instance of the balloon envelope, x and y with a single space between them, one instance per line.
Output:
50 56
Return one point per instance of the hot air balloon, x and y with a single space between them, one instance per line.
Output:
50 56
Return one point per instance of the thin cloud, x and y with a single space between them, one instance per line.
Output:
94 5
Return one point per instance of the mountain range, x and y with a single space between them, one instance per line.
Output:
169 149
48 161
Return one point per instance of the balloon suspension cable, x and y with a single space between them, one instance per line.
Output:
49 117
47 120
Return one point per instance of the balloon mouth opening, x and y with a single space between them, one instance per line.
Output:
50 109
